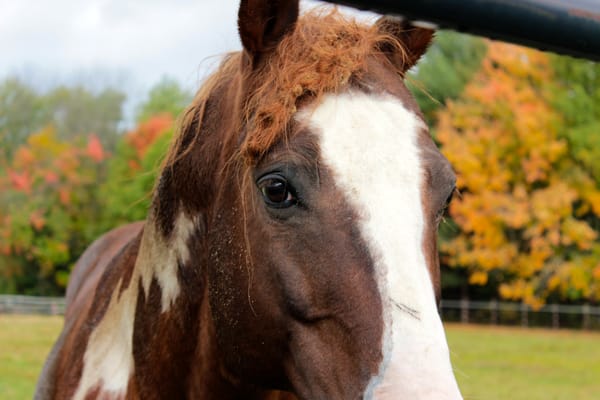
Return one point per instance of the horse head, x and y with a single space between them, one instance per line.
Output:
291 242
319 191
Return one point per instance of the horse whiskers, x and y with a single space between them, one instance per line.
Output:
408 310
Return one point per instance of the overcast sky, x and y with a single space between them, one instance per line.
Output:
132 43
129 44
126 42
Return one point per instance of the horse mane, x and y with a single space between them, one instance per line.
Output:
324 53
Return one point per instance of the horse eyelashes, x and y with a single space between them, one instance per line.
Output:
276 191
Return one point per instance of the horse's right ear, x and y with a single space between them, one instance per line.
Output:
414 40
263 23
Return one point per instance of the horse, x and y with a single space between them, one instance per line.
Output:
290 247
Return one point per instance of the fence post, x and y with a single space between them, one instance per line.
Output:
494 312
524 315
464 310
555 316
586 316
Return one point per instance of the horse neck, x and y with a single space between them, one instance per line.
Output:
141 331
170 288
174 326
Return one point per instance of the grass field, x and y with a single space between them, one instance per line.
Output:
490 363
495 363
24 344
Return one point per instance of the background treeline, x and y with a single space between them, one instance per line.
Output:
521 127
68 173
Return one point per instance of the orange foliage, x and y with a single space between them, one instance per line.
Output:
37 220
21 181
147 132
94 149
525 205
37 195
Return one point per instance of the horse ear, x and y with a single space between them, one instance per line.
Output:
415 41
263 23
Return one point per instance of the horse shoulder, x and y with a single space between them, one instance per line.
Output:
93 264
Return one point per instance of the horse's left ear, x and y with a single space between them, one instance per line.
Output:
414 40
263 23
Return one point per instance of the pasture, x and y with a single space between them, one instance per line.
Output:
491 363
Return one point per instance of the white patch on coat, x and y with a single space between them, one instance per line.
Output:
370 143
108 361
164 256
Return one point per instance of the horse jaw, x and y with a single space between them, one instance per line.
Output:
371 144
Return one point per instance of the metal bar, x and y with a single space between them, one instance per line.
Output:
569 27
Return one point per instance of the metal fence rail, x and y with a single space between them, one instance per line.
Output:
563 26
12 304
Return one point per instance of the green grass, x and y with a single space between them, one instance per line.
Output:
490 363
496 363
25 341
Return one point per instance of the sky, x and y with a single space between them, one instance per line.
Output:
126 43
130 44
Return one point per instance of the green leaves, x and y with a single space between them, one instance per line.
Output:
57 196
166 97
73 112
448 66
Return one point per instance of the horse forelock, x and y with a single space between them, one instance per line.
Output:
325 53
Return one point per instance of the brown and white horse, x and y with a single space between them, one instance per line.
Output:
290 250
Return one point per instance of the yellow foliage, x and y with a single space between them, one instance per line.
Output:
45 142
478 278
525 202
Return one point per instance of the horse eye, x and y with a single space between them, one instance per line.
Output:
450 197
276 191
444 209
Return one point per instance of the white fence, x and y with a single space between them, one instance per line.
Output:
556 316
492 312
10 304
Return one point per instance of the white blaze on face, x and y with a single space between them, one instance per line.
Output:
370 143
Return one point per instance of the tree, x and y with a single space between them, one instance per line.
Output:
76 111
166 97
47 201
528 212
132 171
576 96
448 66
21 112
73 112
61 186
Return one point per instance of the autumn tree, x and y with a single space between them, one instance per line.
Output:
62 186
47 202
73 112
132 171
447 67
76 110
166 97
22 112
56 197
576 95
528 211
